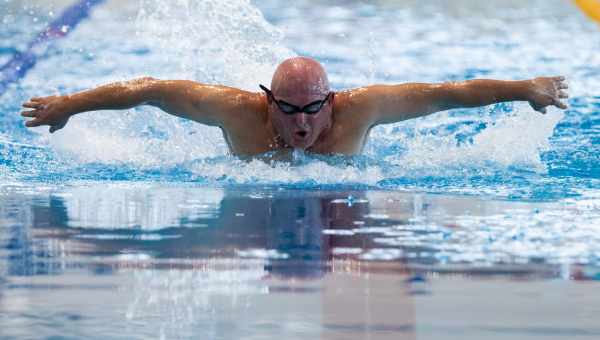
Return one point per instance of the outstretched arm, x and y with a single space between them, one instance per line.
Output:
389 104
206 104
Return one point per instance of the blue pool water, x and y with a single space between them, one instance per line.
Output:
135 224
504 150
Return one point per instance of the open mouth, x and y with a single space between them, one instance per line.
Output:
301 134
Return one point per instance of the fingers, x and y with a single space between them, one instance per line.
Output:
562 95
560 86
559 82
560 104
41 99
34 123
37 102
32 113
33 105
37 122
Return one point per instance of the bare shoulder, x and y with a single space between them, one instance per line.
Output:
352 112
354 107
246 125
243 109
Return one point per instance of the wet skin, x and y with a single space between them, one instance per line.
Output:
253 124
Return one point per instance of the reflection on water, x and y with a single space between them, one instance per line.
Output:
296 234
176 262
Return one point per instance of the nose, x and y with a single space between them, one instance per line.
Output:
300 119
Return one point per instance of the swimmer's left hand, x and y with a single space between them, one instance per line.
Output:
546 91
52 111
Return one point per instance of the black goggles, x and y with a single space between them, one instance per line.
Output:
290 109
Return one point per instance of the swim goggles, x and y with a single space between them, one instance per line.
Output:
290 109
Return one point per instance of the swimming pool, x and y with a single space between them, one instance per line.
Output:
464 224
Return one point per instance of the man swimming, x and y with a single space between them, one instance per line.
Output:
299 111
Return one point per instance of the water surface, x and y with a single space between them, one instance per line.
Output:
467 224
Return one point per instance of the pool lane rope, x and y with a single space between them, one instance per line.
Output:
590 7
21 62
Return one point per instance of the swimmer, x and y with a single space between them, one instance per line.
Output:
299 110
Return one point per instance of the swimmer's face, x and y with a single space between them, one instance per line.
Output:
300 118
300 105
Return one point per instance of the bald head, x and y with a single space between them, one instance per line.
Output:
299 83
300 76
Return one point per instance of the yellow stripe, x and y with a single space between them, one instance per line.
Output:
590 7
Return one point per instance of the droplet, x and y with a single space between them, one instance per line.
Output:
350 200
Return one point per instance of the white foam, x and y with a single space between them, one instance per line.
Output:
228 42
87 142
259 172
208 41
232 43
516 139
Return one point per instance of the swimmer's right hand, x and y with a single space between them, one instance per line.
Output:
52 111
547 91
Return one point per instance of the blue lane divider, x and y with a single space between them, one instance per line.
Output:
21 62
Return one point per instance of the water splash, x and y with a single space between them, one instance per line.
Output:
227 42
516 139
505 150
208 41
